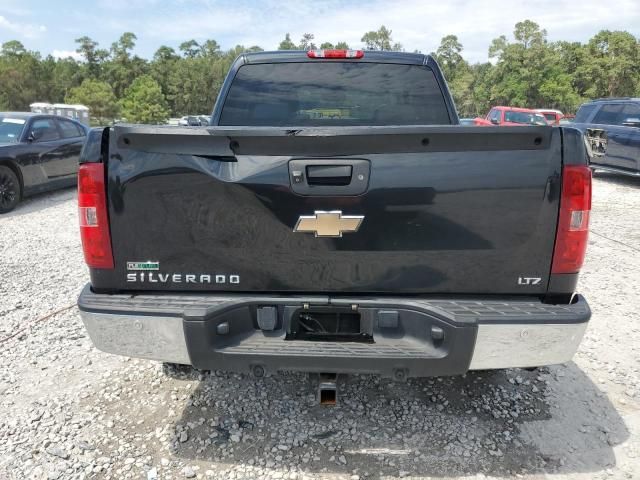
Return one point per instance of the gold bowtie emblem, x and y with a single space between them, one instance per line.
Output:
328 224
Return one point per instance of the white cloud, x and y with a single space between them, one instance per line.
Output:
21 30
14 8
66 53
416 24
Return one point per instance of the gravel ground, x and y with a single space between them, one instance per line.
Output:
70 411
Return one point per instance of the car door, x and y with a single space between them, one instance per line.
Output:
46 150
494 116
73 137
609 118
631 126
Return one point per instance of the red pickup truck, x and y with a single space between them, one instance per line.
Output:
509 116
553 116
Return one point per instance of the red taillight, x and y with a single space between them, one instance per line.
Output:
335 53
573 220
92 210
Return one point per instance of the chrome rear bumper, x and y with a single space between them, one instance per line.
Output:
138 336
504 334
523 345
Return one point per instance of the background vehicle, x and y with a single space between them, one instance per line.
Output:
567 119
552 116
339 221
510 116
204 120
190 120
467 121
620 118
37 153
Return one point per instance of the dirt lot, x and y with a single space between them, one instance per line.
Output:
70 411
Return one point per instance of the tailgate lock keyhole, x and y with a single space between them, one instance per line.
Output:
297 176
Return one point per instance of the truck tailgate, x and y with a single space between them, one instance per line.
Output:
419 209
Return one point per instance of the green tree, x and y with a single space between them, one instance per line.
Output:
58 77
99 97
610 65
529 34
380 40
122 67
306 42
144 102
458 73
530 72
20 71
449 57
190 48
210 49
526 70
327 46
163 70
93 56
13 49
164 54
287 43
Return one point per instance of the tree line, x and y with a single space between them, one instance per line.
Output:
528 71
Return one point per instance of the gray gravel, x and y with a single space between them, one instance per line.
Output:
70 411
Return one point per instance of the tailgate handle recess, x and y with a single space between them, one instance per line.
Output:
329 174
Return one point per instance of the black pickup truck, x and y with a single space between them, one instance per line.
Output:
336 218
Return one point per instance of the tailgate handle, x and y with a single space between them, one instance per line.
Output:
324 177
329 174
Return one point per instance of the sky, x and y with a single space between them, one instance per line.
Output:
51 27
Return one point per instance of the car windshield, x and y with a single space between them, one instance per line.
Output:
525 118
11 129
550 116
336 93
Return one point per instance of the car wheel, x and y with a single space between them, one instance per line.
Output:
9 189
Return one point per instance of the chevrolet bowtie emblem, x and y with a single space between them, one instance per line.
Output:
328 224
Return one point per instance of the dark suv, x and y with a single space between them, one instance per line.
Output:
620 118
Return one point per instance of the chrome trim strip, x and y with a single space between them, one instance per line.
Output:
140 336
525 345
608 169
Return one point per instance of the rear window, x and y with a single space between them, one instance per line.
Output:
524 117
334 93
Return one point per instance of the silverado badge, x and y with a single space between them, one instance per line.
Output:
328 224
